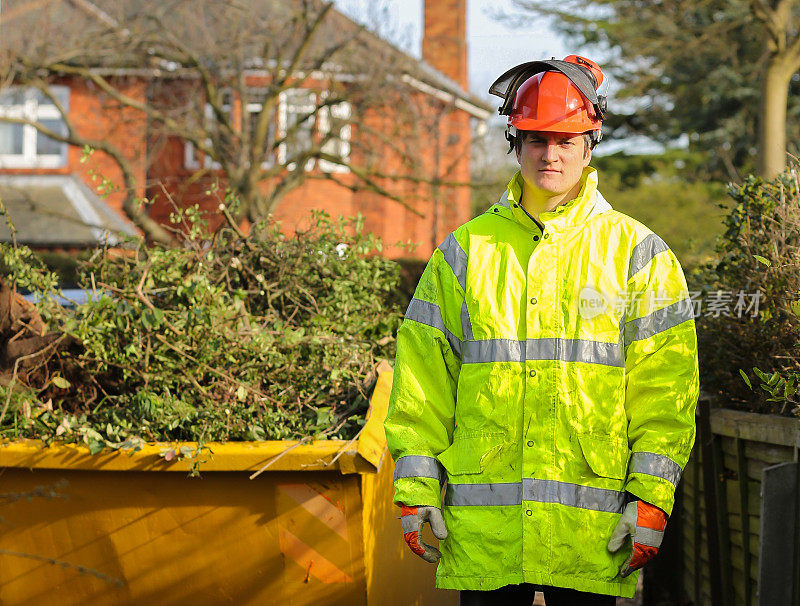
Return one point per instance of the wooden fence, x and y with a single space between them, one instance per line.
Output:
720 502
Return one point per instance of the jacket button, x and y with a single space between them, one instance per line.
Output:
535 238
529 512
496 210
533 300
530 442
532 373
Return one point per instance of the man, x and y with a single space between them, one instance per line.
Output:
547 370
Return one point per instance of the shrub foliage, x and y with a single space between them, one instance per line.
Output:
753 361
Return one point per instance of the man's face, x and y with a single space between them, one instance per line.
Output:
552 162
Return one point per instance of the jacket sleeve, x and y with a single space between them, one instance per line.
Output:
661 373
420 419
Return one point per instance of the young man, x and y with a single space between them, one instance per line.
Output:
547 370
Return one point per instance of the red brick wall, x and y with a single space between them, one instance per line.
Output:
444 43
435 135
96 116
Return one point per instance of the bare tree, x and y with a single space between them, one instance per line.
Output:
214 74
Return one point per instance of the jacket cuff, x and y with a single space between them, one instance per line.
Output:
630 497
653 490
418 492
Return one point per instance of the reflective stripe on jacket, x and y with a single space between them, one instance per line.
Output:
542 375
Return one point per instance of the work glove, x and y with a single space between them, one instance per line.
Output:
412 519
644 524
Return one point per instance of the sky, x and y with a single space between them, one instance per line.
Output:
493 46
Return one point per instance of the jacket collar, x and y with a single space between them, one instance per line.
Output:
588 203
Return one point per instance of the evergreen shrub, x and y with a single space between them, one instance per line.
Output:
753 361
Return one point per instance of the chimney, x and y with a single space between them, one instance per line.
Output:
444 43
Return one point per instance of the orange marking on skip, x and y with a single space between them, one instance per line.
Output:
317 505
313 562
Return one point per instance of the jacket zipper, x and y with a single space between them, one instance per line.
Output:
539 225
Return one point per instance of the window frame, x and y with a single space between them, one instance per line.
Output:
320 126
30 109
283 122
342 141
190 160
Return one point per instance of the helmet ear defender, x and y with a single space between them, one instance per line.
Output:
511 135
580 73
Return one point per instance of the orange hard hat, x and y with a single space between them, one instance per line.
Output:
550 101
553 95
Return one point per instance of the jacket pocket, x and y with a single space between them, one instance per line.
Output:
607 457
470 455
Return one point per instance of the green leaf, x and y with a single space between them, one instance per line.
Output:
763 260
746 379
61 382
96 445
241 393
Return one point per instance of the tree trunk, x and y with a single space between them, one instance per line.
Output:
772 125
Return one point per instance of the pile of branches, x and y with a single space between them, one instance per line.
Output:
227 337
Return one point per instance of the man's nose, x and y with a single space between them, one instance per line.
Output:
549 153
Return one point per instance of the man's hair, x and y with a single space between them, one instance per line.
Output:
588 141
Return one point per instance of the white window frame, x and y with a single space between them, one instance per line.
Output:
321 125
255 108
338 145
190 159
31 110
283 121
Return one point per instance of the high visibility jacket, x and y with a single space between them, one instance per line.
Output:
543 374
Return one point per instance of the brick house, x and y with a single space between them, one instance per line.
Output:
41 177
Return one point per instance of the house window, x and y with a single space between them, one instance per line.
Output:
296 110
192 157
22 145
296 113
296 122
334 124
253 112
